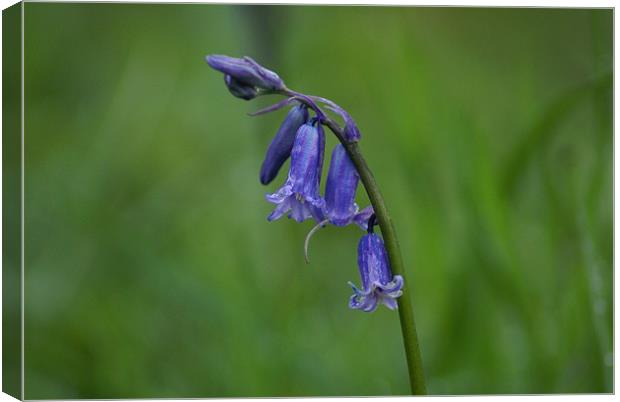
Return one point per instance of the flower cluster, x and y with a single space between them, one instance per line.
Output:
302 139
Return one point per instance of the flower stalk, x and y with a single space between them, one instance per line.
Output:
417 379
405 310
383 280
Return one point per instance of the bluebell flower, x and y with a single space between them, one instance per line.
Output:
342 180
246 72
299 197
300 192
378 284
280 148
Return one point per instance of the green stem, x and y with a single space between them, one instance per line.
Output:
405 311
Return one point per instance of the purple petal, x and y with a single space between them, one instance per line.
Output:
354 301
369 259
280 195
300 211
361 217
367 303
362 300
390 303
301 190
378 285
342 180
394 286
267 75
372 260
371 304
321 149
303 174
280 210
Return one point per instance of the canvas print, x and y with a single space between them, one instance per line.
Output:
232 200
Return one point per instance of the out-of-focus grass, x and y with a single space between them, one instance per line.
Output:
152 272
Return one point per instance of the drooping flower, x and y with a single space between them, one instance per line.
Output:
246 72
280 148
304 142
378 284
300 192
342 180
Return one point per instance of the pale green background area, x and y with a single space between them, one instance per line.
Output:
11 201
151 270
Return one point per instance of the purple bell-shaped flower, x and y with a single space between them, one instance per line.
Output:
378 284
342 181
300 192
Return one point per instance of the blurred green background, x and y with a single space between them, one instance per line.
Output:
151 270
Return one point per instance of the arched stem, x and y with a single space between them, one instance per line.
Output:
405 310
